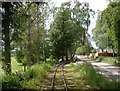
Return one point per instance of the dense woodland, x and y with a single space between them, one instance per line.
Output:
35 32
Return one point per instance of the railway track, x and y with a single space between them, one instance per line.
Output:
64 83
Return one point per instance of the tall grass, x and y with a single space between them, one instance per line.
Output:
30 79
92 77
110 60
15 65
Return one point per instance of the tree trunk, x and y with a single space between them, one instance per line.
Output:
29 49
28 44
29 53
118 46
6 38
67 58
113 51
44 53
62 58
38 31
7 51
24 68
102 50
38 54
119 50
118 39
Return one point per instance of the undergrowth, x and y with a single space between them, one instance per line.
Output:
29 79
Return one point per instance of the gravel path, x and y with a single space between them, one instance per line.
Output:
108 70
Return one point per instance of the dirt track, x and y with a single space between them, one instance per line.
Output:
108 70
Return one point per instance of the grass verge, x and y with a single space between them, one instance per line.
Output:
109 60
92 77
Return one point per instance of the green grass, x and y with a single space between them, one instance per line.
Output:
31 79
93 78
19 79
15 65
110 60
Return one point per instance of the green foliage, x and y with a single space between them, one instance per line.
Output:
67 28
16 66
62 32
37 71
12 81
71 64
1 69
92 77
9 31
99 59
106 33
83 50
30 79
110 60
32 84
80 51
52 60
19 55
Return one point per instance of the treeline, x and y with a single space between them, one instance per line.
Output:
107 30
25 31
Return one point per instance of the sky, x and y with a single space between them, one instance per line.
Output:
95 5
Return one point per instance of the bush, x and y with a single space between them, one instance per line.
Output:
83 50
31 84
51 60
99 59
31 78
11 81
80 51
37 71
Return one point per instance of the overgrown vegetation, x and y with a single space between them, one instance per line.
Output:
109 60
31 79
92 77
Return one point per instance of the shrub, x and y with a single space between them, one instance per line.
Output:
51 60
100 59
79 51
31 78
31 84
11 82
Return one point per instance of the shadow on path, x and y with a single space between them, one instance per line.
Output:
107 70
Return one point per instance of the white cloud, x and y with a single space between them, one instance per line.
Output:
94 4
